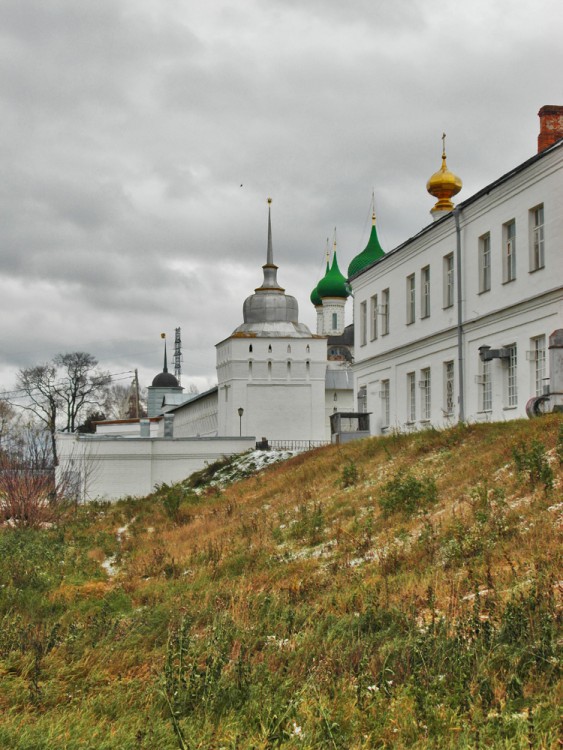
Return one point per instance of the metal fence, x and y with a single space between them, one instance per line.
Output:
300 446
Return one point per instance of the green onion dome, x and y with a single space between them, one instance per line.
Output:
315 299
334 283
372 252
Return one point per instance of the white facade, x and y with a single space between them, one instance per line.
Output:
488 274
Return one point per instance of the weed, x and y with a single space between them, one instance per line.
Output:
407 494
349 475
532 460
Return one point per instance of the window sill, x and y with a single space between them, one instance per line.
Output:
424 317
410 322
539 268
484 291
509 408
448 307
486 411
424 421
508 281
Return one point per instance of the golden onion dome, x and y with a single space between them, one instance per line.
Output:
443 184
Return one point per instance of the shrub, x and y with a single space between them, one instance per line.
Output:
407 494
349 474
532 460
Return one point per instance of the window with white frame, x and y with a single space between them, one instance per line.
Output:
537 355
449 387
334 321
536 238
448 280
385 403
425 393
385 312
485 263
411 397
411 299
425 292
509 252
363 323
486 387
511 376
373 312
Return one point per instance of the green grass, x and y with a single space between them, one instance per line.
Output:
392 593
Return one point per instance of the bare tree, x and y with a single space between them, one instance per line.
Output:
7 415
42 399
121 403
79 385
62 389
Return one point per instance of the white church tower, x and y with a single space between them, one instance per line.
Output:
271 370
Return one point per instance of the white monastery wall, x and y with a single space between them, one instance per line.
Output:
118 468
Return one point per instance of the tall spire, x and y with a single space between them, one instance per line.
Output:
270 252
270 269
165 368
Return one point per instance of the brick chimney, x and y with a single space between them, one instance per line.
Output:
551 126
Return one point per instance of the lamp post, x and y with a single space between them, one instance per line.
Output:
240 413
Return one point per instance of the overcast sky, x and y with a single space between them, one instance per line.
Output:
140 139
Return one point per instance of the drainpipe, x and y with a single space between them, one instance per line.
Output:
456 213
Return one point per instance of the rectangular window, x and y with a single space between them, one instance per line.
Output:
449 387
363 398
385 404
449 280
485 263
536 239
411 299
511 382
363 323
411 397
373 317
426 396
486 386
509 252
334 321
385 312
425 292
537 355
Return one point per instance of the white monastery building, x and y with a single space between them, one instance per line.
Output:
458 323
454 324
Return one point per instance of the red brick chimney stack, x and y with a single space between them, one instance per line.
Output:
551 126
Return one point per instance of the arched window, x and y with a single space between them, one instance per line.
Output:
250 348
269 348
334 321
289 348
308 349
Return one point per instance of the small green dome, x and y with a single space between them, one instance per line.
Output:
334 283
315 299
372 252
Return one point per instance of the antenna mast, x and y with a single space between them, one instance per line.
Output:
178 358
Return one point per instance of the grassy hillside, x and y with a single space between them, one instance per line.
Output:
398 592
